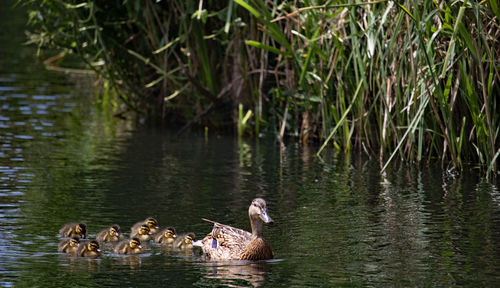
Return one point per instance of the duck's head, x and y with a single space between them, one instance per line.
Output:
93 246
81 228
144 230
169 232
74 241
152 223
258 211
114 230
189 238
135 243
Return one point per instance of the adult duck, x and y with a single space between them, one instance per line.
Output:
229 243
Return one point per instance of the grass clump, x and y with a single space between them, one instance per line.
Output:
416 80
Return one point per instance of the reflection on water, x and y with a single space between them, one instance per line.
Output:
337 222
237 273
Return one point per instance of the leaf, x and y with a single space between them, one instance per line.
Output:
341 120
406 11
249 8
168 45
450 54
494 7
267 48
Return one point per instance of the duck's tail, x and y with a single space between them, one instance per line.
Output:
210 221
197 243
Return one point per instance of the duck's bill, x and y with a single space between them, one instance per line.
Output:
265 218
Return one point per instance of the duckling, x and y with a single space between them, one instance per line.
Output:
90 249
143 233
131 246
166 236
184 241
111 234
74 229
69 245
151 222
229 243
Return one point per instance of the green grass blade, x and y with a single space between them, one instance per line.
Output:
312 46
491 167
249 8
272 49
451 47
341 120
494 7
227 25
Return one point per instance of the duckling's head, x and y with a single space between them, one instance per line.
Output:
114 230
74 241
152 223
258 211
144 230
135 243
93 246
189 238
169 232
81 228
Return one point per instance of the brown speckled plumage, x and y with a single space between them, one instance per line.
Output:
74 229
69 245
111 234
151 222
89 249
131 246
143 234
166 236
229 243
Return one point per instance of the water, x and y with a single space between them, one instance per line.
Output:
337 223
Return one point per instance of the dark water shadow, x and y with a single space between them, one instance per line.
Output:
236 273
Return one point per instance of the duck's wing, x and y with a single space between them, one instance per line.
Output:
120 246
101 236
136 227
225 231
225 242
62 246
67 229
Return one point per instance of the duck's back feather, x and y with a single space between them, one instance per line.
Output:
225 242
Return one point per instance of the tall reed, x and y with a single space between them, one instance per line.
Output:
416 80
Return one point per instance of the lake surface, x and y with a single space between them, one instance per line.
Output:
338 221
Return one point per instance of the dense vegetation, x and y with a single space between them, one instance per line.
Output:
413 79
